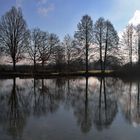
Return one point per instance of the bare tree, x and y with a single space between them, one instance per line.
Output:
13 34
43 47
34 45
138 34
71 50
99 37
106 38
59 56
54 43
127 41
111 40
84 34
46 43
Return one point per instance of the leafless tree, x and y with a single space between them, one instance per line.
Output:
84 35
34 45
13 34
138 48
43 47
59 56
127 41
106 38
99 37
46 43
111 40
71 50
54 42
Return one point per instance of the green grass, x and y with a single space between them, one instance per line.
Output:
95 71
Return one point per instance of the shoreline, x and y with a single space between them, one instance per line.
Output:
111 73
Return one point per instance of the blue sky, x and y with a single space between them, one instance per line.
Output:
61 16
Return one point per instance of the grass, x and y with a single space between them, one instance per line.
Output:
123 73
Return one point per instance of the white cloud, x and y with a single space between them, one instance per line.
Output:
45 10
42 1
135 20
120 33
18 3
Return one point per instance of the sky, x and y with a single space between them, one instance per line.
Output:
62 16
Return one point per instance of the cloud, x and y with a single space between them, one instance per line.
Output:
45 10
120 33
42 1
135 20
19 3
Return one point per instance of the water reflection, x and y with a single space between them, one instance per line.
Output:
15 110
107 107
93 103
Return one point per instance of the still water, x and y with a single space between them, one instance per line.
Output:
69 109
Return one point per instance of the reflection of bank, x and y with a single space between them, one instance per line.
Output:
130 103
106 109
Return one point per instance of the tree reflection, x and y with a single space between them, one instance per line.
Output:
39 101
86 122
16 113
107 108
131 108
138 103
48 96
83 99
93 101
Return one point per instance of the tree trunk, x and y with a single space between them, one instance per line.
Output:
131 50
86 58
42 65
87 51
101 59
101 52
68 65
138 94
105 57
106 47
14 64
139 51
34 64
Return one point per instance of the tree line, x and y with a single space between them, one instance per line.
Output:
97 42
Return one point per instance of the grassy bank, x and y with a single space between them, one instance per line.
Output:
49 72
43 74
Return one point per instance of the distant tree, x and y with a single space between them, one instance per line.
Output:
84 34
34 45
127 41
71 50
43 48
47 43
54 43
13 34
59 56
138 34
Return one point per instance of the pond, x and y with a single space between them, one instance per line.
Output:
69 109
